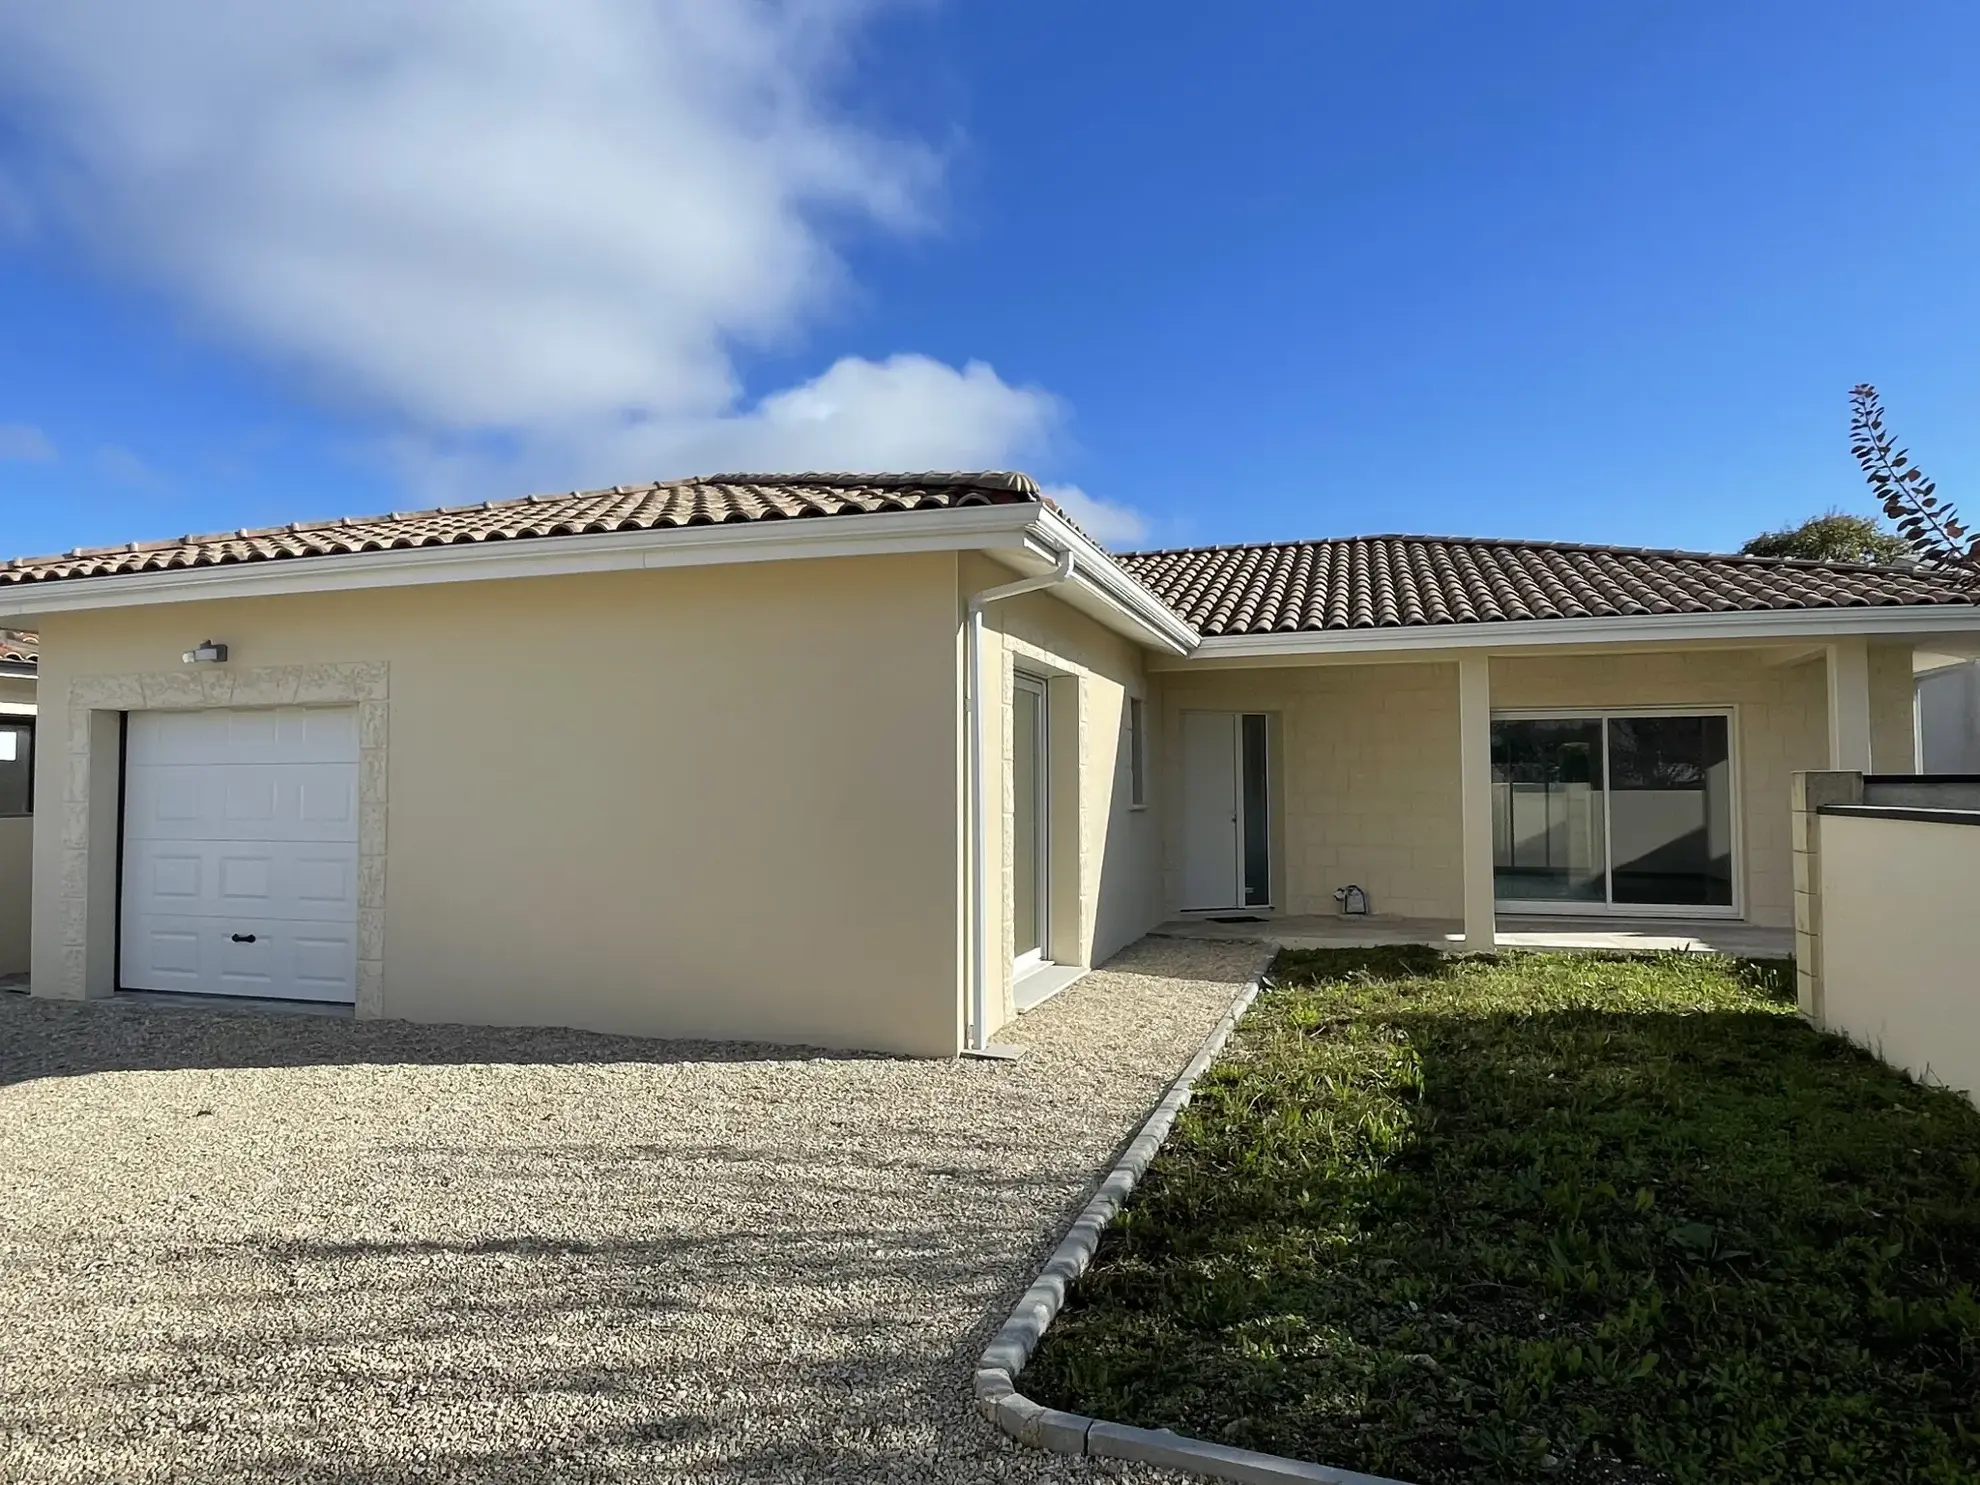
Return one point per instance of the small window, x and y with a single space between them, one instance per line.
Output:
1254 772
16 766
1137 754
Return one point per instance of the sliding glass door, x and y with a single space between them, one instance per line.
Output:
1549 820
1625 812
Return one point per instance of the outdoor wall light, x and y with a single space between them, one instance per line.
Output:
207 653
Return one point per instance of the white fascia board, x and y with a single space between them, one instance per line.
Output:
1894 621
1095 572
971 528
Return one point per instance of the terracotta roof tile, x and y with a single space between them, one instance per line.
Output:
711 500
1373 582
1401 582
18 647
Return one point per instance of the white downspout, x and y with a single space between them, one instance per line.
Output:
978 750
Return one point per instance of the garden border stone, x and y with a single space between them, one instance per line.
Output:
997 1396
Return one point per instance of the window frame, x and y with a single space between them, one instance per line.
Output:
1736 801
1137 730
1040 687
26 722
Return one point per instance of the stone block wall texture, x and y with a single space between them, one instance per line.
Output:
1809 792
1369 758
1368 781
1782 721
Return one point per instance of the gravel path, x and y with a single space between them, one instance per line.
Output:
239 1247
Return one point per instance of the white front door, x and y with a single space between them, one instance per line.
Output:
240 853
1227 832
1211 830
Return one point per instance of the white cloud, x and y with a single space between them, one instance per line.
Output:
473 213
24 443
1106 522
904 413
530 235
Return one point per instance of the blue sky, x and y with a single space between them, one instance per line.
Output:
1232 273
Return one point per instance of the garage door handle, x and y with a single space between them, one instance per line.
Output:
243 938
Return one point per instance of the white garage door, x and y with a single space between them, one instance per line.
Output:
240 853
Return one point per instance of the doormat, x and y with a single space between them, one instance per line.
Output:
1244 918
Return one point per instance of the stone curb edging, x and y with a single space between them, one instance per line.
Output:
997 1397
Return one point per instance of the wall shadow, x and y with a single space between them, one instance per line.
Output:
52 1038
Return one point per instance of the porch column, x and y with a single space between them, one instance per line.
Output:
1849 705
1475 776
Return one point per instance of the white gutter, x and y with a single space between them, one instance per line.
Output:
974 725
984 528
1873 621
1114 585
1107 591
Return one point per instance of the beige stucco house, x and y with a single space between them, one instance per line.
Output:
877 761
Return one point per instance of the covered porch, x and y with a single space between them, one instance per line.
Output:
1445 785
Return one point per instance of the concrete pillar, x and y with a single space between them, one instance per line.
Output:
1849 705
1475 775
1810 792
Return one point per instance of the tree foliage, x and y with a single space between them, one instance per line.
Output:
1932 526
1833 536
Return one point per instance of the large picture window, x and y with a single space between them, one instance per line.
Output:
16 766
1613 811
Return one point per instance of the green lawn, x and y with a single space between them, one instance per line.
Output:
1546 1218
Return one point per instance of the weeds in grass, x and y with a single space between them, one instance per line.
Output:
1546 1218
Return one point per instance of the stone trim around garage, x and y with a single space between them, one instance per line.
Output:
997 1397
86 910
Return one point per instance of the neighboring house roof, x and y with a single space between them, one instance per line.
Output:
709 500
1396 582
18 647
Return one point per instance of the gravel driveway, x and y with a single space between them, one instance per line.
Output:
240 1247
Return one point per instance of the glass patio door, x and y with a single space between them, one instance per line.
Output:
1623 812
1549 816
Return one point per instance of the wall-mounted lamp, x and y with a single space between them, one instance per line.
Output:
208 653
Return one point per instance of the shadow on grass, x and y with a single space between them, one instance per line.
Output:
1566 1218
